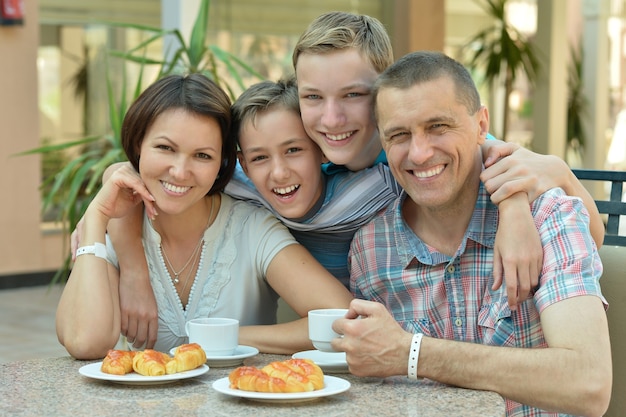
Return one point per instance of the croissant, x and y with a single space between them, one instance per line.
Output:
249 378
118 362
293 375
151 362
186 357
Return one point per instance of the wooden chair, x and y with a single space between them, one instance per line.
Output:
613 281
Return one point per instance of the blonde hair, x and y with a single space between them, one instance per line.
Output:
339 30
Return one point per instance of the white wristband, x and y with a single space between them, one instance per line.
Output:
414 354
97 249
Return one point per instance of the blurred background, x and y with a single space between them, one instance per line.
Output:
69 67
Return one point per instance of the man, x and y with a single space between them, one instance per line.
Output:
428 259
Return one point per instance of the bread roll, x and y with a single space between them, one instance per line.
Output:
118 362
151 362
293 375
186 357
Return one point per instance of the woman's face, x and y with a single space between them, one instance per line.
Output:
180 158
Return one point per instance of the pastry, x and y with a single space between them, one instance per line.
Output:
186 357
250 378
293 375
118 362
151 362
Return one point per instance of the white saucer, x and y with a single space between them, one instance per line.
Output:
333 362
332 386
241 352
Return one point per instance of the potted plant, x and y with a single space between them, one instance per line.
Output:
502 52
75 184
577 107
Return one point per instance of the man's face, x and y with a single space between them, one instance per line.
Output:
282 162
431 141
336 106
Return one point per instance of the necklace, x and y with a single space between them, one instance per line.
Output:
196 257
177 273
195 252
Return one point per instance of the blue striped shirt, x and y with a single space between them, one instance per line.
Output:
349 200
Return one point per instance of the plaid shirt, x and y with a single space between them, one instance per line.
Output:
451 298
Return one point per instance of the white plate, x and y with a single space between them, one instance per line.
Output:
332 386
334 362
93 371
241 352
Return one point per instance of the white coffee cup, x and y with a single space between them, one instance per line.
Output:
217 336
320 327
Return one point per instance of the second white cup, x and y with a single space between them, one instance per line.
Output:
217 336
320 327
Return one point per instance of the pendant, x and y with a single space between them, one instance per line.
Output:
176 280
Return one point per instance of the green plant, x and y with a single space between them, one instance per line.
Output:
502 52
197 56
577 103
75 184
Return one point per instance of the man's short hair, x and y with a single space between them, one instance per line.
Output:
424 66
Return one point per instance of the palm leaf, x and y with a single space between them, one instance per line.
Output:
76 182
502 53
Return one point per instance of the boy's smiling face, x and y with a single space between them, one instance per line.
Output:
282 161
336 104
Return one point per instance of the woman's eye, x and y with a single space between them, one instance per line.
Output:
164 147
293 150
355 94
258 158
312 97
204 156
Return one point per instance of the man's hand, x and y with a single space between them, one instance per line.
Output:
374 342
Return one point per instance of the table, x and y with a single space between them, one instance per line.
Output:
54 387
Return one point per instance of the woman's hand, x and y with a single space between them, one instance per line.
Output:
117 198
121 193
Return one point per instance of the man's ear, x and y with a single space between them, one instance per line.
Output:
483 123
242 162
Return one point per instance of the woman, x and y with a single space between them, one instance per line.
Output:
208 254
